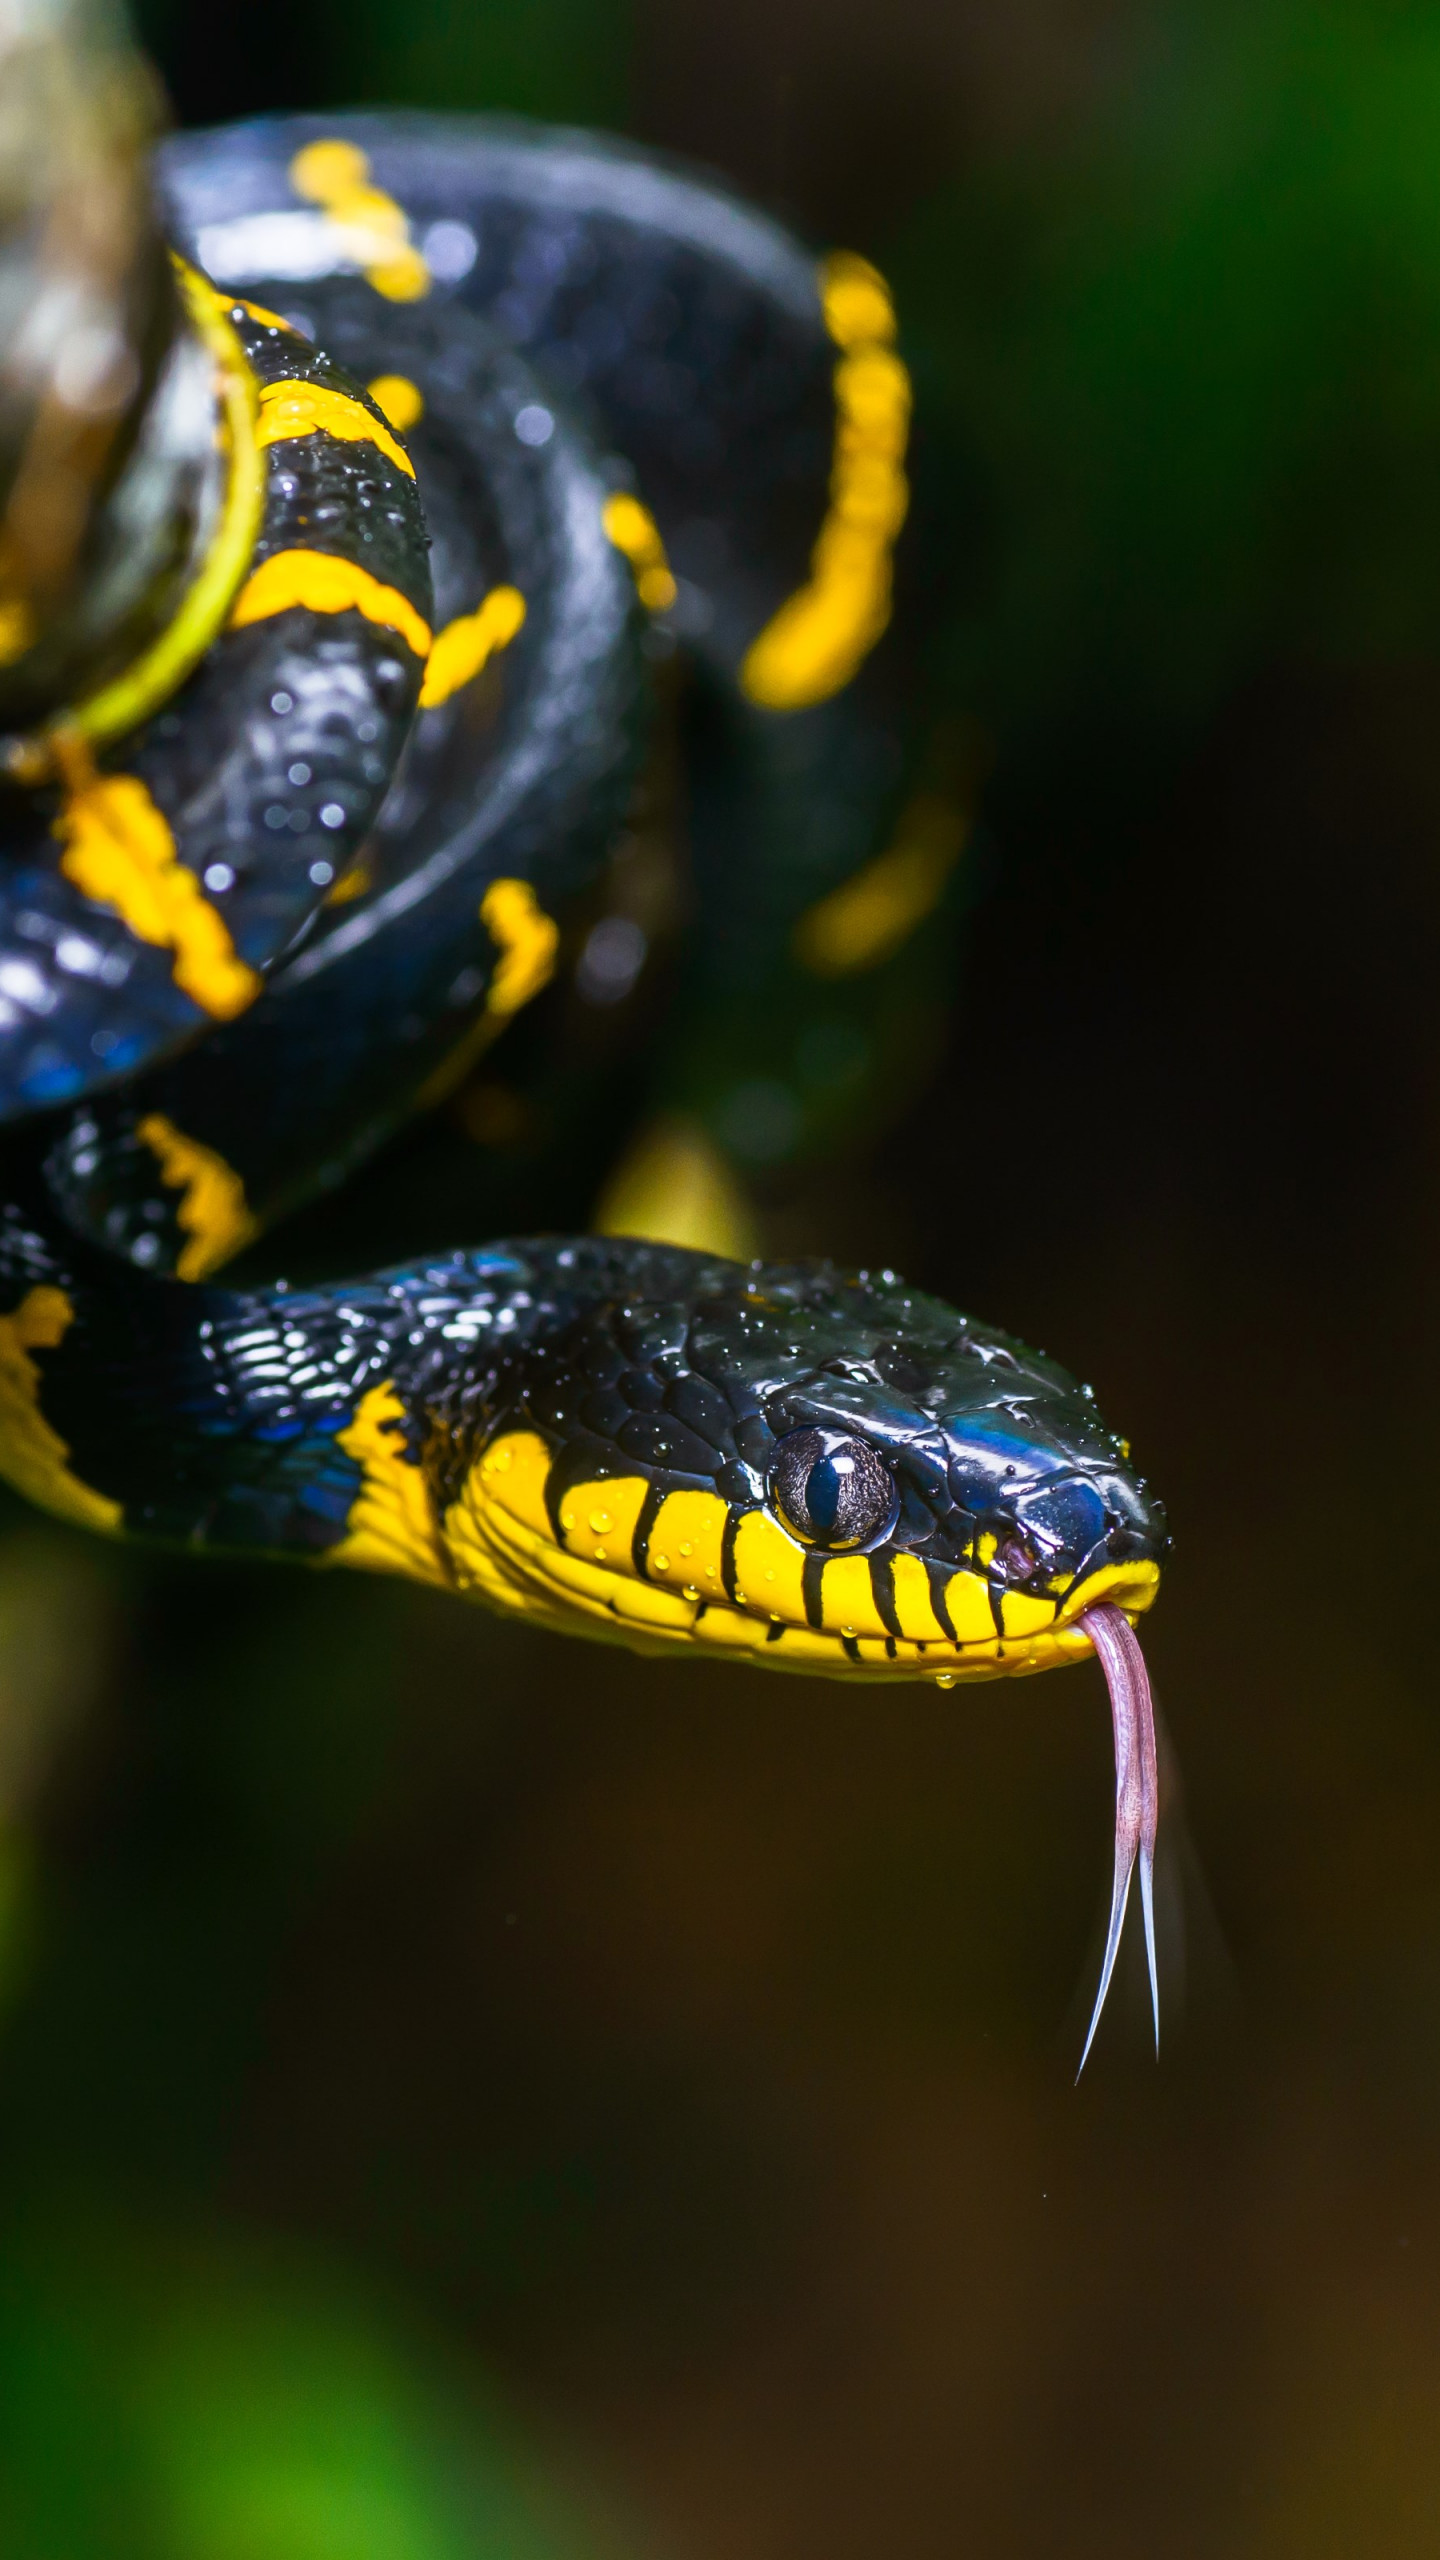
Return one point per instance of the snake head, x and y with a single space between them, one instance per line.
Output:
813 1470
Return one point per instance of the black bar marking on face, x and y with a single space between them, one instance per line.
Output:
644 1529
938 1579
775 1631
995 1594
851 1645
812 1576
882 1584
890 1648
727 1554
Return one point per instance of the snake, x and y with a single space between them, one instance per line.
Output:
430 478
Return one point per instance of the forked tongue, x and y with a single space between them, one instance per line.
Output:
1136 1791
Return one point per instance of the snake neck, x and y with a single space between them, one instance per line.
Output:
274 1420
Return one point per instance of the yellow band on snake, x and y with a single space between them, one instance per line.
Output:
309 408
822 634
324 582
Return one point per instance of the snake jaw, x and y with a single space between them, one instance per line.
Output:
1137 1794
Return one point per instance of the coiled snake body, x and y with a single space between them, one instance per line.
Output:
524 417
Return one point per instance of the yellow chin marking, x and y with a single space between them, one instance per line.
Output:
391 1528
214 1212
324 583
847 1598
33 1457
1024 1614
686 1544
119 851
1130 1587
913 1605
307 408
768 1568
967 1597
598 1521
502 1550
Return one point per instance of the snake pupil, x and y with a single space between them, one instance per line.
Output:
823 1490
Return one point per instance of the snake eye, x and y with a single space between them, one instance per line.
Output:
831 1491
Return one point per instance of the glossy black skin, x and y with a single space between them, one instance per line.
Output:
524 773
682 325
658 286
683 330
83 1001
213 1414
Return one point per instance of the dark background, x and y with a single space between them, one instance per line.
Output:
651 2083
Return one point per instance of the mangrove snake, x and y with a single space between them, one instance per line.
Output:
295 820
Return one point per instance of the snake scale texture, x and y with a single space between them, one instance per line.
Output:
461 478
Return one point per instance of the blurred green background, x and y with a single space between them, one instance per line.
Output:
465 2094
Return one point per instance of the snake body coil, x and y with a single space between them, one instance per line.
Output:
538 419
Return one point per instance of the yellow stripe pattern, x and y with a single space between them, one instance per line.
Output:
391 1527
324 583
402 400
459 652
119 851
502 1549
336 175
33 1457
868 918
823 633
257 311
214 1212
308 408
634 531
528 942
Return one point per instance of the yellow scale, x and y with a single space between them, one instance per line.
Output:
501 1546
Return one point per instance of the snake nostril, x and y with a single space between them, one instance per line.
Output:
1126 1543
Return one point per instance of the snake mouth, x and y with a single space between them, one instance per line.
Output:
1129 1587
617 1560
